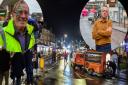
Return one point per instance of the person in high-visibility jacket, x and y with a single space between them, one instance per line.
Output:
19 40
41 62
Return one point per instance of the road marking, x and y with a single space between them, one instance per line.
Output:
79 75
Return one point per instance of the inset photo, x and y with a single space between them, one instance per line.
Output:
103 26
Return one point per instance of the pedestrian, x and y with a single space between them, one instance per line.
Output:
102 30
35 61
111 65
19 42
71 54
65 54
4 66
126 48
53 56
115 61
8 17
41 62
118 63
34 23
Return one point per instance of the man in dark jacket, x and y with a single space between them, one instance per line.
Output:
4 66
19 42
53 56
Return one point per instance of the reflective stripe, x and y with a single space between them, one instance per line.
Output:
4 39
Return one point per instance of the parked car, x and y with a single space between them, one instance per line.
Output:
91 17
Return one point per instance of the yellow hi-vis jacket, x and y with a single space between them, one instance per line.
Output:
12 44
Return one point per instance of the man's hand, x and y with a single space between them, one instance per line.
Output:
12 54
109 29
0 48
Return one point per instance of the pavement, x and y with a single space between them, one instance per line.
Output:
120 27
123 75
118 33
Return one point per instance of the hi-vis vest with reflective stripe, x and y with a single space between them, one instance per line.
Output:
12 44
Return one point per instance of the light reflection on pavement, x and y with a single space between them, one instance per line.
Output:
59 76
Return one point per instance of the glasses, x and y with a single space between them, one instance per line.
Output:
21 12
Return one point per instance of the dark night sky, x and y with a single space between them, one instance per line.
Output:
63 15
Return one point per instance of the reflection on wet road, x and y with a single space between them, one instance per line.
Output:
64 75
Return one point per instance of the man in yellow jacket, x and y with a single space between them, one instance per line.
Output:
19 40
102 30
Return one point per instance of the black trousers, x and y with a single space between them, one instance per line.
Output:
6 75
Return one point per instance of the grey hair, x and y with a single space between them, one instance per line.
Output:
105 6
18 4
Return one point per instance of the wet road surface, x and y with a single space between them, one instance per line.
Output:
64 75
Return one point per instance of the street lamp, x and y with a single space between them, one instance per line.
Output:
65 35
64 39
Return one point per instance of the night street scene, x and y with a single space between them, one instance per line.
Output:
63 42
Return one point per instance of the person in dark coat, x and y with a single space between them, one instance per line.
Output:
54 56
4 66
19 42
